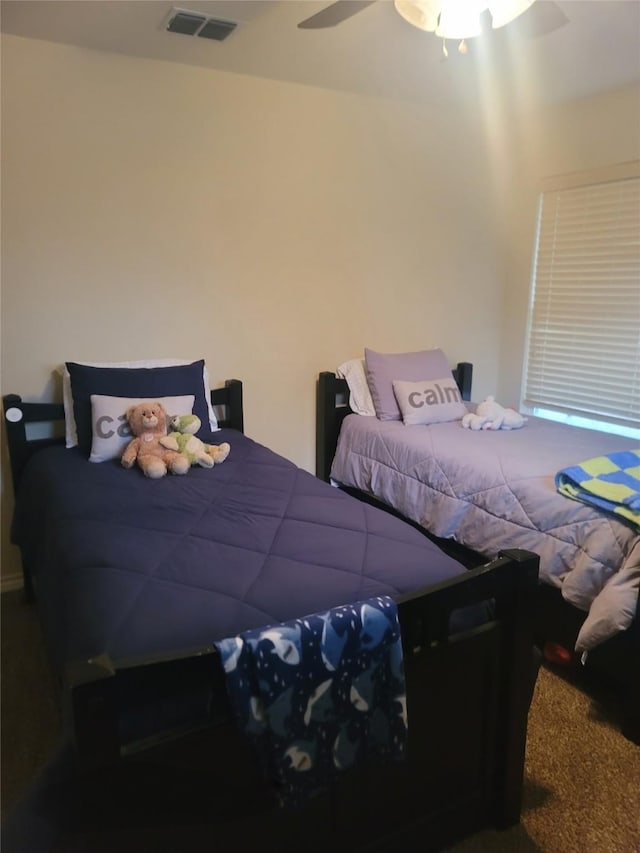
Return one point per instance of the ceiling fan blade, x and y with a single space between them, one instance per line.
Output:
540 19
334 14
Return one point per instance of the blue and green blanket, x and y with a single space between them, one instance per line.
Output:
610 483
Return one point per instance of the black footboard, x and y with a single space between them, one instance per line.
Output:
468 696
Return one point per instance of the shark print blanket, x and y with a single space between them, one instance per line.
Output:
320 694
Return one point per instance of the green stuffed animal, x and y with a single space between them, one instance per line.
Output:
183 439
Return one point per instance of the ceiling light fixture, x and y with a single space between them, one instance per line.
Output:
459 19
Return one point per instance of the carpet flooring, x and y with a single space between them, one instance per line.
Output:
582 776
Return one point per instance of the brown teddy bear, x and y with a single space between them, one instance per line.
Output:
148 423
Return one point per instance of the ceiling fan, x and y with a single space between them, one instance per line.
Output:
538 19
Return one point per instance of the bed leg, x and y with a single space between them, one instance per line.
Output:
516 692
631 721
94 712
631 729
28 592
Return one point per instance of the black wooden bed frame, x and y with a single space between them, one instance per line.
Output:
468 696
614 664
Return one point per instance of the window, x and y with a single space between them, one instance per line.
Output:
582 360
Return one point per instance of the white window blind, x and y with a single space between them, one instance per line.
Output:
583 341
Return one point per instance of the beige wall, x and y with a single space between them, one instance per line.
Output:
153 209
583 135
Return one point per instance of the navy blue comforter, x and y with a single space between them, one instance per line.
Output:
132 567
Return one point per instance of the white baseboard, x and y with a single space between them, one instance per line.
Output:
10 583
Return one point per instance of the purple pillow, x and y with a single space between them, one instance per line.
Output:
383 369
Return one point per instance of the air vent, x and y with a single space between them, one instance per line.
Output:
216 29
194 24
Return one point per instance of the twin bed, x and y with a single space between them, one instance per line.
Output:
475 491
136 581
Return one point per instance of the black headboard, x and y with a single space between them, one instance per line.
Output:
18 415
332 406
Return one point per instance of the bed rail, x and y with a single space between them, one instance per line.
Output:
332 406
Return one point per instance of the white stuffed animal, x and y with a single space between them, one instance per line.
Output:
491 415
473 421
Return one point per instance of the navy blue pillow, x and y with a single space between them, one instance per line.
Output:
133 382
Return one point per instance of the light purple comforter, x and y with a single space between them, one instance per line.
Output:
495 490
